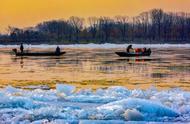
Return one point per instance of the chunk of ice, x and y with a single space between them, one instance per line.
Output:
147 107
65 90
133 115
112 105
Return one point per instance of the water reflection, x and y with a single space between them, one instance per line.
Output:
136 59
165 68
21 62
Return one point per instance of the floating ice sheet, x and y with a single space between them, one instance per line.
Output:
112 105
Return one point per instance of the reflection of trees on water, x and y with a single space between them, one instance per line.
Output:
121 68
135 65
115 66
182 68
42 62
51 62
160 75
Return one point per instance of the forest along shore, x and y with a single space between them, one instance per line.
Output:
154 26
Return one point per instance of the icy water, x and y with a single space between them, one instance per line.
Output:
90 84
98 66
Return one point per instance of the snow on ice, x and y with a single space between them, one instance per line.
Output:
113 105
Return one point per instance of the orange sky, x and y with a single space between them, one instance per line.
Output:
23 13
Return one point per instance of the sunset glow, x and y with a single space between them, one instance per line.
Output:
24 13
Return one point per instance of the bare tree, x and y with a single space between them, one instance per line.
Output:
93 21
145 21
122 22
151 25
105 25
167 25
157 16
77 24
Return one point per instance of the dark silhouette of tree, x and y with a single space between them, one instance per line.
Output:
155 26
93 28
145 21
156 17
56 29
105 25
77 24
122 22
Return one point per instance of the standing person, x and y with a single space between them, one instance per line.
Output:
21 48
58 50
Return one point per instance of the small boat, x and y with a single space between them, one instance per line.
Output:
38 53
126 54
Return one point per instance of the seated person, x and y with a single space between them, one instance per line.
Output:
58 50
149 50
129 48
21 48
144 50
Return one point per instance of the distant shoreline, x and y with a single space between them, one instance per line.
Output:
96 46
96 42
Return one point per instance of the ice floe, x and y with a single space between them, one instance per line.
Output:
112 105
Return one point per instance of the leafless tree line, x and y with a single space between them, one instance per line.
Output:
155 25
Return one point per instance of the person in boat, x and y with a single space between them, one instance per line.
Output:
144 49
149 50
129 48
21 48
58 50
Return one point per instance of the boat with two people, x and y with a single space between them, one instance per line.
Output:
134 52
57 52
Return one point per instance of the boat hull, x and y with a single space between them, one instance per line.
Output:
125 54
40 54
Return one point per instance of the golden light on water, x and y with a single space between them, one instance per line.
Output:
24 13
87 68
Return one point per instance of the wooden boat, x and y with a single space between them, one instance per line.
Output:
125 54
37 53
